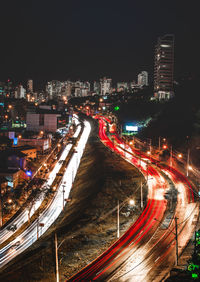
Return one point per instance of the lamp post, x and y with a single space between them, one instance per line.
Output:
63 196
188 163
56 255
159 142
132 203
171 156
141 194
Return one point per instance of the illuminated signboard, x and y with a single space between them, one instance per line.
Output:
131 128
15 140
29 173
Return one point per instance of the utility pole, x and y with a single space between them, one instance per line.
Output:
150 145
63 197
38 227
159 143
141 186
171 156
188 162
176 228
147 172
118 219
56 255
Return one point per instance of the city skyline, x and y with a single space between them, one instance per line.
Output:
75 41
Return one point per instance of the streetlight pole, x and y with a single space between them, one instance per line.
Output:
147 171
141 192
171 156
118 234
176 228
188 162
63 197
159 143
56 256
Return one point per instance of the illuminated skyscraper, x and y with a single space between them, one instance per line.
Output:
164 67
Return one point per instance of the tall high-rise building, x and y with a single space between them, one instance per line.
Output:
164 67
143 78
30 85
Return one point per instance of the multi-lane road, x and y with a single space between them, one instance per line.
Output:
146 251
51 212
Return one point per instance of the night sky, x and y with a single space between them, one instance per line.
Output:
86 40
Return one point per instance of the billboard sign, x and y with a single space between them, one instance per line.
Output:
133 128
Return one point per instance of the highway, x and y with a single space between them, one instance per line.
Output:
146 251
39 226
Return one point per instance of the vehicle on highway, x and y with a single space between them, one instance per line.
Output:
12 227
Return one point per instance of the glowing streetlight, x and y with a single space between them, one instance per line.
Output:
148 153
10 106
19 136
132 202
180 156
41 132
10 201
54 188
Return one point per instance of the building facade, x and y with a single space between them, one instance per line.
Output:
143 78
42 120
30 86
105 85
164 67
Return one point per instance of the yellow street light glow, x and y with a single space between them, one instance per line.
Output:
148 153
189 167
180 155
41 132
132 202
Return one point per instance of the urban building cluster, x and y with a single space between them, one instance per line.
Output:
9 90
104 86
163 81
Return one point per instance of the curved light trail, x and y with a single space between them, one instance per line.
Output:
54 208
138 253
